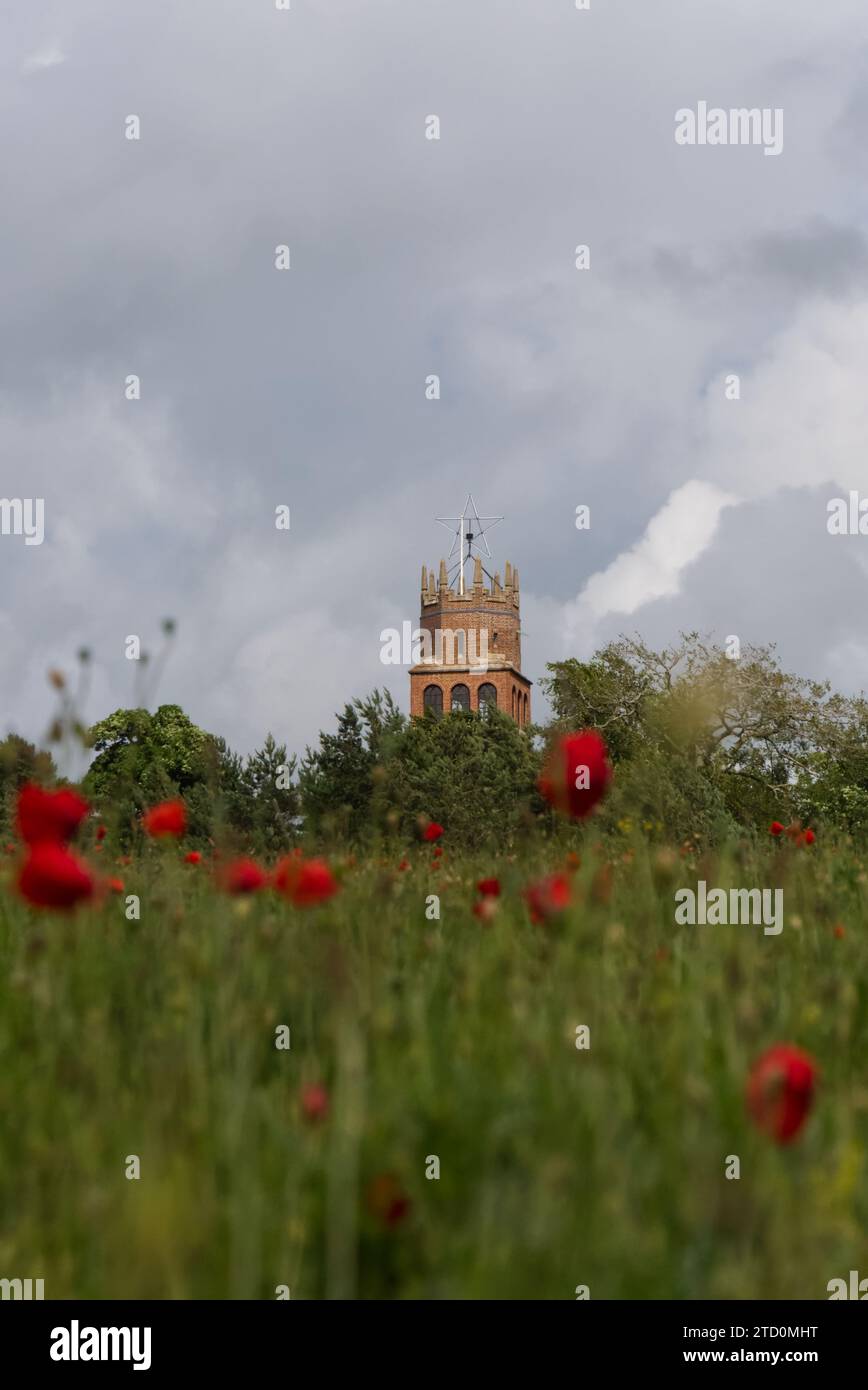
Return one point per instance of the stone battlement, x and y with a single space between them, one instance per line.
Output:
442 594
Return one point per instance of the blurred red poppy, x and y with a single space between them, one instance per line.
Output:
52 877
576 774
387 1200
314 1102
780 1091
486 909
168 818
548 897
305 882
432 831
49 816
242 876
489 887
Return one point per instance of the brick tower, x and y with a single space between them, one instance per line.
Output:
470 641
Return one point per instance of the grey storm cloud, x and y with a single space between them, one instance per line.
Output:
411 257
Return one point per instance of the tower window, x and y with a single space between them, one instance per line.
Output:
460 697
432 698
487 698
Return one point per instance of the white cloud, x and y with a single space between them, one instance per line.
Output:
49 57
802 419
674 538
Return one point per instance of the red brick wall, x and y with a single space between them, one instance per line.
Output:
504 682
493 611
500 620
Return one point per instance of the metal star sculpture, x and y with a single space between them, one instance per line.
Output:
469 528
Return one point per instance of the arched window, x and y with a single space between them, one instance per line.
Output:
460 697
514 715
524 721
487 698
432 698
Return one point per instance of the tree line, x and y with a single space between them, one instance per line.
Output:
703 746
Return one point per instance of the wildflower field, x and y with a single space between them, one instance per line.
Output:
287 1053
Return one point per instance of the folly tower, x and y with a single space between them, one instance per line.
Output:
470 630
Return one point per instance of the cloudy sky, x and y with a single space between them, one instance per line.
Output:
410 257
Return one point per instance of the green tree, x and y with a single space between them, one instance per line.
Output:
610 693
833 787
475 774
709 739
270 797
144 758
20 762
338 781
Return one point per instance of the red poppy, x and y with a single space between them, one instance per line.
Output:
485 909
194 857
387 1200
169 818
548 897
489 887
404 864
100 832
305 882
576 774
780 1091
776 828
840 932
809 837
314 1102
115 885
432 831
49 816
52 877
242 876
438 852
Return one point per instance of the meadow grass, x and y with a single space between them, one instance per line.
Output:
559 1167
